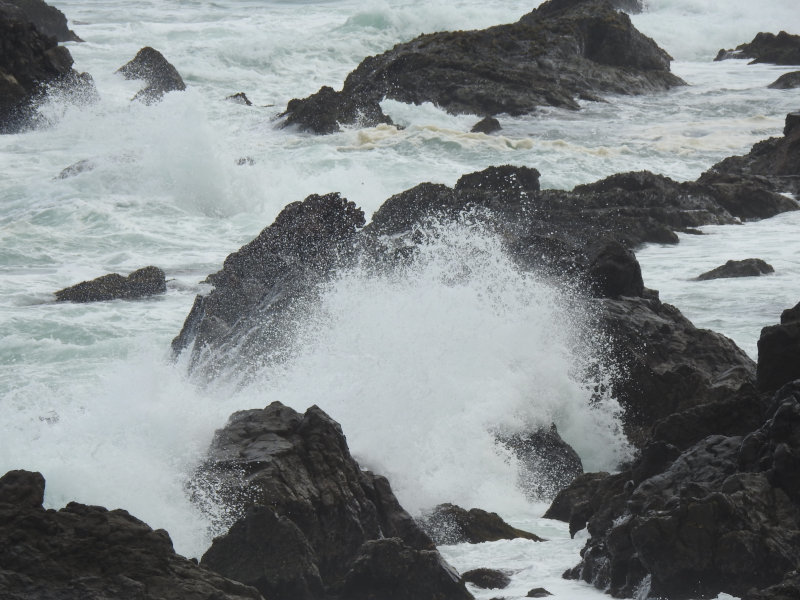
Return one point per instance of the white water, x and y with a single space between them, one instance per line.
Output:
417 369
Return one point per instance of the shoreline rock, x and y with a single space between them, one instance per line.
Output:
563 51
450 524
47 19
90 552
780 49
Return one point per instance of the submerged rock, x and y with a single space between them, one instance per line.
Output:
486 125
451 524
313 523
487 579
146 281
159 75
47 19
31 64
239 98
88 552
562 51
781 49
749 267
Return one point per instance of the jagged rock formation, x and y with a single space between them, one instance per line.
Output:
562 51
314 524
157 72
31 63
146 281
749 267
89 553
781 49
47 19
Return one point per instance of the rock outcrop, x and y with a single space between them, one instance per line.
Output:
47 19
143 282
487 579
89 553
749 267
31 64
787 81
314 524
156 71
781 49
561 52
779 351
451 524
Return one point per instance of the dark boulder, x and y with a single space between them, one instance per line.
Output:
324 111
239 98
89 553
749 267
143 282
548 464
47 19
561 51
787 81
614 272
160 76
487 579
666 364
31 64
451 524
538 593
486 125
389 569
311 518
781 49
779 351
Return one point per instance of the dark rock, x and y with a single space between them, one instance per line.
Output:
388 569
146 281
614 272
88 552
31 64
325 111
486 125
749 267
264 282
487 579
666 364
82 166
787 81
310 514
562 50
451 524
788 589
781 49
538 593
160 76
548 463
47 19
792 123
722 516
239 98
779 352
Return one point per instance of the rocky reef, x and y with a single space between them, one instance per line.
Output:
143 282
157 72
561 52
780 49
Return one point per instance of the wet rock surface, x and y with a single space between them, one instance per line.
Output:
779 351
563 51
156 71
780 49
749 267
451 524
89 553
313 523
787 81
47 19
31 63
487 579
143 282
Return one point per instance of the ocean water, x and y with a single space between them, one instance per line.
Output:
420 367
